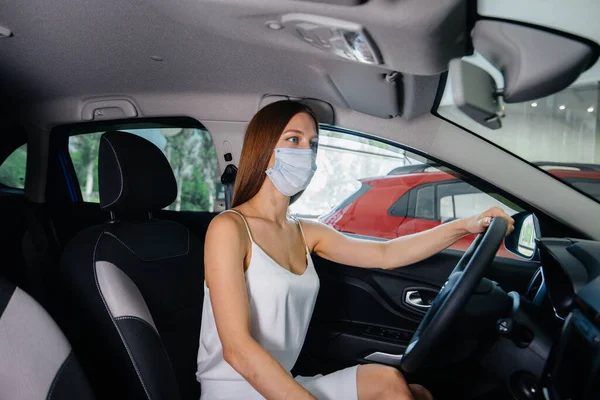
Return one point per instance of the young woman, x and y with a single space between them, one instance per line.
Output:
261 285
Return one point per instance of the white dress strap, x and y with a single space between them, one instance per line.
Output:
301 231
243 219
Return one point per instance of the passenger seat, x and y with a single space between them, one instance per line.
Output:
36 360
133 287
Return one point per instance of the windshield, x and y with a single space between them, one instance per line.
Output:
559 133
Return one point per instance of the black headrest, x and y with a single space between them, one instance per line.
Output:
133 174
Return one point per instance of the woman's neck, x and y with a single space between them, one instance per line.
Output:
270 204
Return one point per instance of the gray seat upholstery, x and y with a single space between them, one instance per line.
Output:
36 360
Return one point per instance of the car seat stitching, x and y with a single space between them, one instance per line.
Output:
120 173
129 353
140 319
153 328
58 374
151 259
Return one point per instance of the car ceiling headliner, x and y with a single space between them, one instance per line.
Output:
69 48
219 60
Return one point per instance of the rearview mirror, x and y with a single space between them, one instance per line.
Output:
522 240
474 92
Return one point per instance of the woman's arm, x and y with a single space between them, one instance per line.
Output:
405 250
225 251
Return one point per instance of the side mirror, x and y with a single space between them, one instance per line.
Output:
522 240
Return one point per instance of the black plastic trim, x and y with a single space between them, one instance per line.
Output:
7 290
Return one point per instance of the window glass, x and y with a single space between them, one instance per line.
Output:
559 133
447 212
190 152
346 160
473 203
12 170
368 188
425 207
591 187
460 200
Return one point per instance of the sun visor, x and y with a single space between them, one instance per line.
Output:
383 93
322 109
370 90
535 62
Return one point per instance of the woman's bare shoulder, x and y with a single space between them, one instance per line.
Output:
311 224
228 228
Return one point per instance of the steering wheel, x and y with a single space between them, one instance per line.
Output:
453 296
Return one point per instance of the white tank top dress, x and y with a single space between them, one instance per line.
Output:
281 305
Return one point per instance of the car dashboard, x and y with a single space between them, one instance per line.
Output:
569 279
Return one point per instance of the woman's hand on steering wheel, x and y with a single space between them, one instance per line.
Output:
480 223
459 287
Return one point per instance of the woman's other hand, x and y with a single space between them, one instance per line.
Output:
479 223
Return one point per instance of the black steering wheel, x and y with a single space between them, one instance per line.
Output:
453 296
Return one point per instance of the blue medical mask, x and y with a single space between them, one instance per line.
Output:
293 169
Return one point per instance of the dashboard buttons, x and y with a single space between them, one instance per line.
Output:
387 334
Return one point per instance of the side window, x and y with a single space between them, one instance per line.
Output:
190 152
12 170
425 203
368 188
460 200
447 209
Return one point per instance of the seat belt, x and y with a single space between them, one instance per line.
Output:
228 180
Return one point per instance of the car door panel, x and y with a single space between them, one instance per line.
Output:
362 311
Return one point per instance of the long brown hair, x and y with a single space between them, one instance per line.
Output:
264 130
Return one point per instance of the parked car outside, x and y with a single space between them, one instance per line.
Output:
414 198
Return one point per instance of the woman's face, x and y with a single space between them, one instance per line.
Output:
299 133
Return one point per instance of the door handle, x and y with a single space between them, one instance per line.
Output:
385 358
413 297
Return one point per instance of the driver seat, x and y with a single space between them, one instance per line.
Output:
132 286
